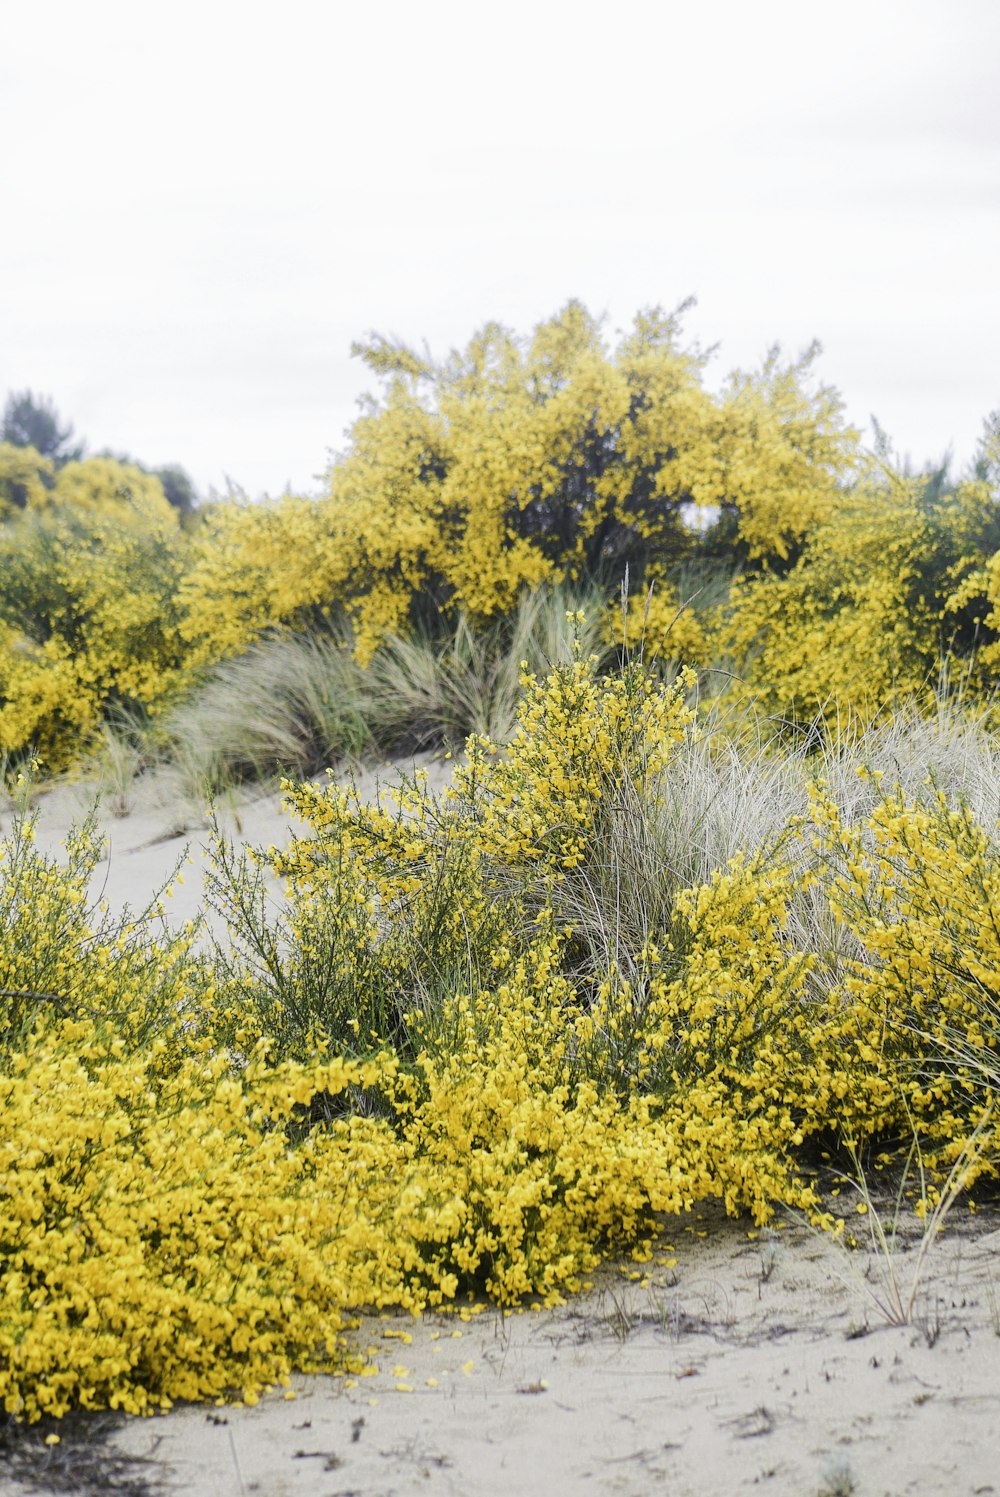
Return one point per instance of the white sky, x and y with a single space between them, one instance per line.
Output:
204 204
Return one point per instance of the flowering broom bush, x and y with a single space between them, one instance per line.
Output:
518 462
886 591
456 1065
89 607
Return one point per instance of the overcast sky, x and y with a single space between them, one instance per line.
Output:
204 204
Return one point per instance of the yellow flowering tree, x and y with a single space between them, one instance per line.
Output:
524 460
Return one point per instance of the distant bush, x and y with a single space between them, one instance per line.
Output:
523 461
89 614
874 608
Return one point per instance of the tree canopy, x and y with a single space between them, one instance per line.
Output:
32 421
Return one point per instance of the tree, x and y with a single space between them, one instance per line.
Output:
177 486
32 421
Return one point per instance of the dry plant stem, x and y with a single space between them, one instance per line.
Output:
896 1303
994 1304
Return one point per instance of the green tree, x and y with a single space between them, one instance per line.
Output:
32 421
177 486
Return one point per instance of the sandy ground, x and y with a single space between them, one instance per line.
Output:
736 1362
754 1363
157 836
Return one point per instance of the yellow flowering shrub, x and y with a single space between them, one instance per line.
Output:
977 596
89 614
660 624
429 1077
979 592
917 886
517 462
254 566
42 704
575 735
26 479
166 1238
870 609
982 588
161 1238
772 456
103 483
59 952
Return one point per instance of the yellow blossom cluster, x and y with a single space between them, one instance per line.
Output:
918 889
26 478
542 801
161 1239
658 624
89 608
881 595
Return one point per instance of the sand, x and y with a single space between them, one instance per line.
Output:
756 1364
738 1362
160 834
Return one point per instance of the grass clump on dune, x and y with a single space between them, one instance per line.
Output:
297 703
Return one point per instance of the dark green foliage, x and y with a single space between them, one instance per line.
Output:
32 421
